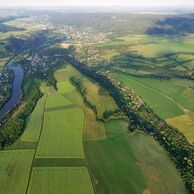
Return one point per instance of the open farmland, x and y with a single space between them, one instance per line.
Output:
112 163
155 164
145 45
56 100
64 87
185 123
179 105
15 171
63 130
106 102
34 122
49 180
120 163
160 103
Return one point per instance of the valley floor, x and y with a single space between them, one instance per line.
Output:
64 149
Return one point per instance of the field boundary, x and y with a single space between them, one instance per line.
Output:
59 162
30 175
69 106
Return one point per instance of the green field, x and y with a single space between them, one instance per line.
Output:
154 162
113 164
161 104
15 169
137 163
56 101
145 45
102 102
185 123
62 134
118 162
182 94
170 99
69 180
34 122
64 87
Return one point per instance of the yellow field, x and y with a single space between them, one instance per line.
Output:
184 123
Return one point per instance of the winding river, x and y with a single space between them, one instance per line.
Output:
16 94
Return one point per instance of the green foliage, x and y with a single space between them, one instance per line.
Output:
6 28
14 126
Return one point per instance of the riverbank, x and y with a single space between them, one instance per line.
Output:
16 92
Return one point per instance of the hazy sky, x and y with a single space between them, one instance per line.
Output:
95 2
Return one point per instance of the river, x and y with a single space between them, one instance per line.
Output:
16 94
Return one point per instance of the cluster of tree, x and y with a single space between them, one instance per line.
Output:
12 128
83 91
113 114
44 38
102 92
179 149
9 18
16 44
136 62
6 79
172 26
6 28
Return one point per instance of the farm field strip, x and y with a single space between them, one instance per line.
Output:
57 100
49 180
63 126
15 170
61 107
184 123
59 162
63 130
34 123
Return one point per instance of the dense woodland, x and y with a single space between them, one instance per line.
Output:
6 28
173 26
